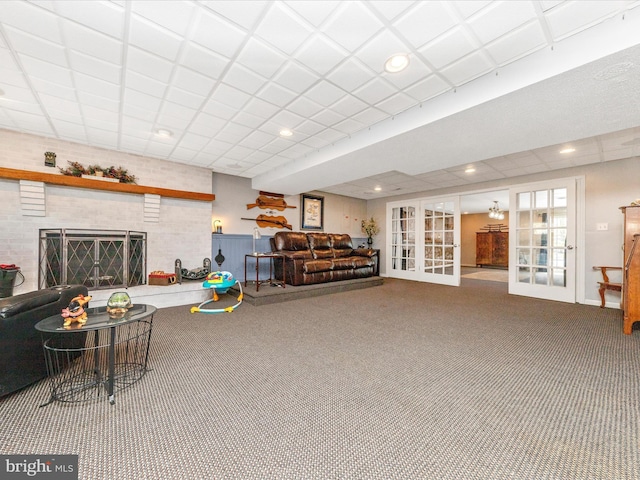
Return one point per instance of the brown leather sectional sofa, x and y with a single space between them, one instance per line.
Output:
321 257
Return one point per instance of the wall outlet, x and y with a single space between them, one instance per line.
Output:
602 226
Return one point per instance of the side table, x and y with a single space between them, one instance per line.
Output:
270 256
114 355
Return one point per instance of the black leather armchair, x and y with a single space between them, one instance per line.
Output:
21 355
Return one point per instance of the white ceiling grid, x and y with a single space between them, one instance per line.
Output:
224 77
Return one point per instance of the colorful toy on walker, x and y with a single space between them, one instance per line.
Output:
219 282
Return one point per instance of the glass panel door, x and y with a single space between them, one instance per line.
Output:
543 224
441 252
402 261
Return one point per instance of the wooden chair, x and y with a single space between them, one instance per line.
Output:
607 284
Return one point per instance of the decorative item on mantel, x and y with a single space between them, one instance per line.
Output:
49 159
268 200
370 227
76 169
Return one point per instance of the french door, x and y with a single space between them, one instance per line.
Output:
542 239
424 240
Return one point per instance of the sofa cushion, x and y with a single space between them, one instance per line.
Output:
292 241
345 263
27 301
320 244
341 244
314 266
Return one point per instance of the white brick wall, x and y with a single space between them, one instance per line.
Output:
183 230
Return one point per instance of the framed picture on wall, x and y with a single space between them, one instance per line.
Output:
312 212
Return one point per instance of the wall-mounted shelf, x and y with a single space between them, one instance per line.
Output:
78 182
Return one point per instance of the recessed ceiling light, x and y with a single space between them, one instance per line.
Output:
163 133
568 150
396 63
285 132
378 189
470 170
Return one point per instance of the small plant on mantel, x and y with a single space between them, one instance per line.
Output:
75 169
370 227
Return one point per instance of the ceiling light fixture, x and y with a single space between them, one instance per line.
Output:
285 132
164 133
378 189
495 212
470 170
568 150
396 63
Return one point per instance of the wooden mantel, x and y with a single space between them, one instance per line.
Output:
79 182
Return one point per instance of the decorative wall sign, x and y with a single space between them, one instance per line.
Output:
312 212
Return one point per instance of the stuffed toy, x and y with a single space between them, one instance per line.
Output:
75 312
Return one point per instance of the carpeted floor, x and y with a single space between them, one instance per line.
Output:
405 380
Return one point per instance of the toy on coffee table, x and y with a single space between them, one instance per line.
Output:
220 283
75 312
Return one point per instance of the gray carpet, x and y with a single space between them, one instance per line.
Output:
402 381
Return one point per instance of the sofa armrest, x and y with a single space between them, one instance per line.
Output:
364 252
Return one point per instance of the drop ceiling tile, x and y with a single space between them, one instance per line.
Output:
31 123
296 78
261 108
571 17
349 126
92 43
142 83
320 54
330 135
248 119
470 7
217 34
203 60
415 73
425 22
316 13
517 43
192 81
390 9
230 96
219 110
327 117
282 29
105 17
304 107
44 86
133 144
183 154
296 151
174 16
309 128
144 114
449 47
352 25
239 153
97 116
32 18
257 139
276 95
370 117
350 75
153 38
141 100
72 130
375 91
468 68
379 49
325 93
233 133
244 13
349 105
286 119
52 103
102 138
156 149
315 142
244 79
37 47
187 99
428 88
95 67
178 111
261 58
396 104
149 65
46 71
500 18
277 145
207 125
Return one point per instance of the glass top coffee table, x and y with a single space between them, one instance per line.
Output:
110 354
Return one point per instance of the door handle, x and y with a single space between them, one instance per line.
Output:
569 247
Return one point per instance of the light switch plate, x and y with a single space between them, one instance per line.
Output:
602 226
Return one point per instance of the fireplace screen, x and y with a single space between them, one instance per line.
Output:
98 259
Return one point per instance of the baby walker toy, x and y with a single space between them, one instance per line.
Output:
219 282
